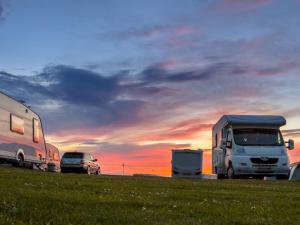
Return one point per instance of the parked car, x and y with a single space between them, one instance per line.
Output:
79 162
21 135
53 158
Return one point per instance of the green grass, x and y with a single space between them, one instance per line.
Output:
32 197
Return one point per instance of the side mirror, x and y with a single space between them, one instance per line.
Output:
229 144
291 144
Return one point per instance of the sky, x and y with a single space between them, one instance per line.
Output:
130 80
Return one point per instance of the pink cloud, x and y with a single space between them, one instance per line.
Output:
243 4
280 69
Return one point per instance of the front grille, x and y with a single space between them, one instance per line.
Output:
264 161
263 165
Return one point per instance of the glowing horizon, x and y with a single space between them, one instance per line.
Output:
129 82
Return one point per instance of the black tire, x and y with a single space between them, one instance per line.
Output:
20 161
282 177
88 171
258 177
220 176
230 172
98 172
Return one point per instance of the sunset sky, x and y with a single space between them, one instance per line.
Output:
131 80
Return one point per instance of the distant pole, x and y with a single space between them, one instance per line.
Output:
123 168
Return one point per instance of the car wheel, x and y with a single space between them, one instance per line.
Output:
230 172
88 171
282 177
98 172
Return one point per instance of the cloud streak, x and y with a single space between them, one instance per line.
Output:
243 5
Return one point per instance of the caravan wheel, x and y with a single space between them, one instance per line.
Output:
20 160
220 176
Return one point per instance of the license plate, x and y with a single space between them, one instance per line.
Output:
264 168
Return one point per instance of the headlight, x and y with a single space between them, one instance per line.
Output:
240 150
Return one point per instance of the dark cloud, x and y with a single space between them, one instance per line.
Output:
78 85
3 5
242 5
157 74
69 98
1 10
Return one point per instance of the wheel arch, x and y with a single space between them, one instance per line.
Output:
20 152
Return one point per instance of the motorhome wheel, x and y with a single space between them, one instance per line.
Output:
230 173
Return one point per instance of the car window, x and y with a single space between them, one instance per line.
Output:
87 157
73 155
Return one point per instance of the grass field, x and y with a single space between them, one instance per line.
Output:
33 197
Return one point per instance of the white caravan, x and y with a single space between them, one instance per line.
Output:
21 134
187 163
250 146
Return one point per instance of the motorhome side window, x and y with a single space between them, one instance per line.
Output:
36 131
216 140
229 136
17 124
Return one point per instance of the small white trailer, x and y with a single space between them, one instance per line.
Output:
187 163
21 135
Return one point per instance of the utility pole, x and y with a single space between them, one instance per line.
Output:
123 165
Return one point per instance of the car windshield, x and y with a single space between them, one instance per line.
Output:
73 155
258 137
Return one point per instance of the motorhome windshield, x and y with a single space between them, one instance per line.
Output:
258 137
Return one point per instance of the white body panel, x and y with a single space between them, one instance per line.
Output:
248 160
12 143
187 163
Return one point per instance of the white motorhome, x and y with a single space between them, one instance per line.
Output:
21 134
187 163
250 146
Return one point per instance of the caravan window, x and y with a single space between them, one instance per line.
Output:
55 156
17 124
50 153
36 131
